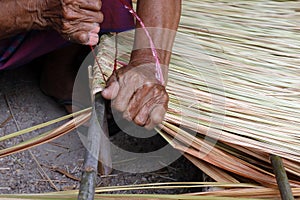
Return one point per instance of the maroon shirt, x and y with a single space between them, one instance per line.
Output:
116 17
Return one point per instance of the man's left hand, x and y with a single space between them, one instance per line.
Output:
135 91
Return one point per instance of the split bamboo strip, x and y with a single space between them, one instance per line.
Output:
81 118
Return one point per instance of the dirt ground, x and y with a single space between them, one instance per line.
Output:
22 105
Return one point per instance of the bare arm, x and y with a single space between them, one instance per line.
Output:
14 18
135 89
77 20
161 17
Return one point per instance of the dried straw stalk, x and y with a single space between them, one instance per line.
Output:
234 80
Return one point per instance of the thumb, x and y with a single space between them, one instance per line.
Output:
111 91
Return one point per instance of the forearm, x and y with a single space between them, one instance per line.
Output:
136 89
161 17
75 20
18 16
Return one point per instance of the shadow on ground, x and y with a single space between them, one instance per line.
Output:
23 105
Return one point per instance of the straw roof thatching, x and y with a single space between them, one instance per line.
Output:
234 80
234 86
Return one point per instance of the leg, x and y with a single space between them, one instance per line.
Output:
59 72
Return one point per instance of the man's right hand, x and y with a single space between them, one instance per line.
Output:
76 20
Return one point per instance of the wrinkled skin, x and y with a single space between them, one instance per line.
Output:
134 89
136 93
76 20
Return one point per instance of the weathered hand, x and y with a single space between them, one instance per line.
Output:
76 20
136 93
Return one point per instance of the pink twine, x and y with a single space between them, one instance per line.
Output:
158 74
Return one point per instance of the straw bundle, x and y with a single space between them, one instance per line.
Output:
234 94
234 80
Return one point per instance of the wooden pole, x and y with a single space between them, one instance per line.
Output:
281 178
97 147
104 159
90 171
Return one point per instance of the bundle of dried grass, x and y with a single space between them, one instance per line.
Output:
234 94
234 81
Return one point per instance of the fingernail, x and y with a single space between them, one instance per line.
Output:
84 38
96 29
93 39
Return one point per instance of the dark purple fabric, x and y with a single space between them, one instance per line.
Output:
116 17
9 45
25 47
34 44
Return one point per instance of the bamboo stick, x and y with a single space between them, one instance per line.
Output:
98 151
89 175
281 178
104 158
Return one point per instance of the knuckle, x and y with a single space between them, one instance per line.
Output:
94 4
139 121
68 13
117 106
65 26
100 17
83 37
127 116
98 5
158 116
165 97
149 127
133 76
66 1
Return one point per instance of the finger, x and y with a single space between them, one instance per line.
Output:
128 86
142 116
96 28
112 89
150 115
73 13
122 99
81 37
72 27
139 99
93 39
90 16
94 5
88 34
156 117
84 38
158 98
